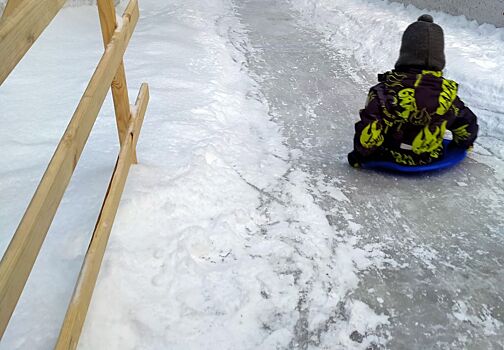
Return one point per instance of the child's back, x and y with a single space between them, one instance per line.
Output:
409 111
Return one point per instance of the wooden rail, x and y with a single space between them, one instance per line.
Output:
10 6
24 247
77 310
22 23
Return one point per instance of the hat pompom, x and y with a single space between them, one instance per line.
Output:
426 18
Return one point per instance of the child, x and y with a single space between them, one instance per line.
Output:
408 112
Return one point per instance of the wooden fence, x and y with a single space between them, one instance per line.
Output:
21 24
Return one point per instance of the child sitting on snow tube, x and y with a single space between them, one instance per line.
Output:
409 111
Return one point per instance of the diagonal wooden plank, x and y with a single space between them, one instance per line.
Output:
10 7
20 29
24 247
77 310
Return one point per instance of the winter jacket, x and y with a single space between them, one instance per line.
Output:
406 117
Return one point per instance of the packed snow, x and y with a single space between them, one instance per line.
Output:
226 238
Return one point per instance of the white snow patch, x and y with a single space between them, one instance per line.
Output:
333 191
362 320
426 255
354 227
482 319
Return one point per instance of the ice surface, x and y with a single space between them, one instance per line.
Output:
473 54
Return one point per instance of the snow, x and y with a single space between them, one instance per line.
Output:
484 319
223 239
193 261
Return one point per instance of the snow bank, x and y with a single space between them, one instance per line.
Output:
370 31
484 11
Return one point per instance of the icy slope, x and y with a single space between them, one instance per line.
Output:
369 31
442 234
243 227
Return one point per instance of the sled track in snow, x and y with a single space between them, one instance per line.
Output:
440 235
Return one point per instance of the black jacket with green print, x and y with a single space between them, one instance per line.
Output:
406 117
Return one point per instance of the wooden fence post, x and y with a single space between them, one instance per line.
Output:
108 22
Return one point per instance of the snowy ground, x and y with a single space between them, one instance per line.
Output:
242 227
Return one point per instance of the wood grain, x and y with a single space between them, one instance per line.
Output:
20 27
77 310
120 96
10 7
24 247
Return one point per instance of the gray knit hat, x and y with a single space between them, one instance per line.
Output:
422 46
